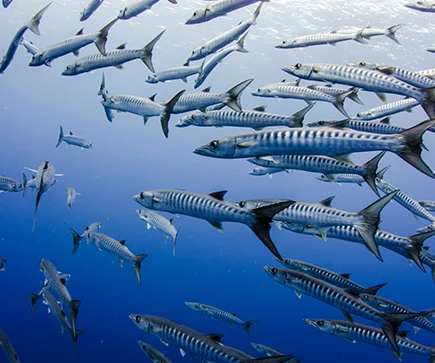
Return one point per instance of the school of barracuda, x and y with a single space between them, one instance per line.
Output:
322 147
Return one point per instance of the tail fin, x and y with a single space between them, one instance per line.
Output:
34 299
101 40
256 14
248 324
233 95
382 172
339 102
299 116
416 245
354 96
137 264
147 54
374 289
35 21
370 168
74 311
371 218
261 225
169 106
24 184
392 32
411 147
240 45
74 337
59 140
102 91
76 240
174 243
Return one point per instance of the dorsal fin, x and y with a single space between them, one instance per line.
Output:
219 195
233 314
327 202
153 97
261 108
122 242
346 276
121 46
80 32
385 120
207 89
70 133
215 337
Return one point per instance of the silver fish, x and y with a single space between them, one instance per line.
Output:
218 8
413 78
320 39
220 41
221 315
159 222
72 139
192 342
33 25
174 73
45 178
367 334
429 205
378 127
77 238
2 264
334 91
257 118
71 198
7 346
73 45
388 109
330 141
118 249
92 6
341 178
339 298
368 32
152 353
422 5
8 184
262 171
213 208
114 58
138 7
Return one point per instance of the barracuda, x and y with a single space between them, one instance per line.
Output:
114 58
159 222
208 67
369 32
261 171
213 208
152 353
45 178
118 249
221 315
283 90
367 334
341 179
272 352
218 8
370 80
71 197
422 5
429 205
333 91
7 346
73 45
205 98
257 119
338 298
220 41
33 25
138 7
10 185
406 201
55 281
322 164
92 6
320 39
330 141
390 306
340 280
388 109
207 347
77 238
174 73
378 127
73 140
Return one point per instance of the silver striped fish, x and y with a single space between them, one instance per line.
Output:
72 139
87 11
321 39
152 353
377 127
7 346
368 32
174 73
388 109
138 7
422 5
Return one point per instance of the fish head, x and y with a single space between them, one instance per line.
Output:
89 145
278 274
45 265
148 350
152 79
149 324
195 306
263 92
198 53
364 115
71 69
428 228
251 204
123 13
290 264
325 326
420 5
300 70
299 228
260 171
287 44
372 300
198 16
222 148
149 199
321 123
192 119
323 178
37 60
83 15
385 186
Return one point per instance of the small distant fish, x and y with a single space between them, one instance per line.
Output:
159 222
90 9
388 109
262 171
77 238
422 5
138 7
10 352
429 205
71 198
341 179
114 58
118 249
218 8
152 353
73 140
221 315
174 73
45 178
10 185
2 264
266 350
33 25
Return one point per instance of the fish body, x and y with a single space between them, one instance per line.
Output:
266 350
212 208
329 141
174 73
7 346
428 72
221 315
256 119
341 178
429 205
152 353
388 109
138 7
377 127
92 6
320 39
118 249
368 32
33 25
422 5
218 8
45 178
220 41
413 78
73 140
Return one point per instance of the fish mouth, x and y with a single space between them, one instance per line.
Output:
190 304
204 151
310 322
279 46
268 269
289 69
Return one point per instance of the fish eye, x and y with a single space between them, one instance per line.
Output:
194 117
419 2
359 114
195 13
67 67
242 204
214 144
321 123
319 323
362 64
137 319
258 89
364 297
142 195
298 65
284 42
274 271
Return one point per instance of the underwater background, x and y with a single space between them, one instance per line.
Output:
223 270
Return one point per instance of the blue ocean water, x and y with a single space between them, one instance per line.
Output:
223 270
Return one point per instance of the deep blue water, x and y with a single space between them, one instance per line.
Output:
224 270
